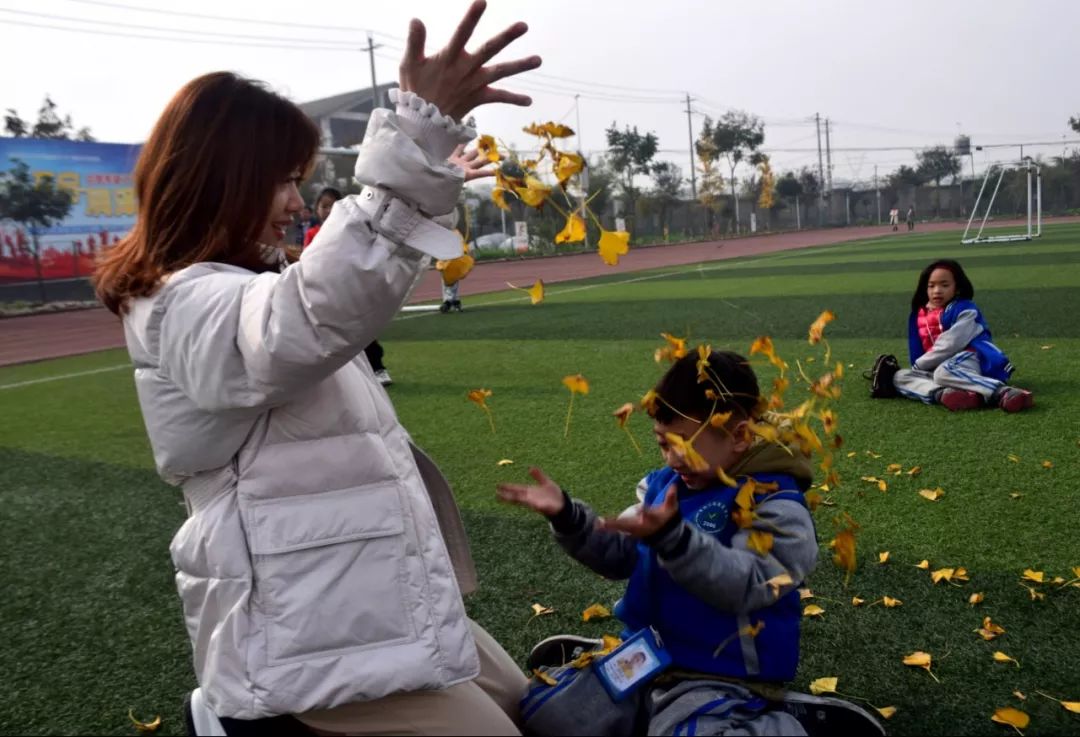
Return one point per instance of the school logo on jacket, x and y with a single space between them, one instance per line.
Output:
712 517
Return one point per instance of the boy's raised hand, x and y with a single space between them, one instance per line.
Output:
648 520
455 80
544 497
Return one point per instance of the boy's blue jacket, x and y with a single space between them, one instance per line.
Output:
704 591
964 327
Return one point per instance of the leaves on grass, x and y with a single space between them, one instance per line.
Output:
932 494
923 564
883 557
1000 657
890 602
1073 706
828 684
989 630
880 483
813 610
1013 457
1047 464
914 471
1036 576
539 610
595 611
505 462
895 469
920 659
976 598
942 574
886 712
856 601
150 726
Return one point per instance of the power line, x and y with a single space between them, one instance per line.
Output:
231 19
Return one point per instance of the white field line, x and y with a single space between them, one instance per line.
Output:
61 377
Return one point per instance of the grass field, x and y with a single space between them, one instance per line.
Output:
90 616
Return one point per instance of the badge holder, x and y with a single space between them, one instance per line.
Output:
635 662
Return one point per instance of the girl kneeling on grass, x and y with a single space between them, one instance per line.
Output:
954 361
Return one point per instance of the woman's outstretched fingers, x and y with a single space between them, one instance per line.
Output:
465 29
495 44
414 47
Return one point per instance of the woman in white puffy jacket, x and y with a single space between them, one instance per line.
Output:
322 567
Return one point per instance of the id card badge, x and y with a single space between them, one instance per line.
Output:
635 662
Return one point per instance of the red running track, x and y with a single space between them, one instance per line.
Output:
41 337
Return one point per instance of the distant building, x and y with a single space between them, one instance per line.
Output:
343 118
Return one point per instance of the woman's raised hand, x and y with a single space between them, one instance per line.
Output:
455 80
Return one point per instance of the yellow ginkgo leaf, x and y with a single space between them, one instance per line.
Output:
977 598
1035 595
813 610
557 130
852 454
505 462
886 712
455 269
728 481
1047 464
856 601
498 196
880 483
932 494
648 402
685 450
960 574
534 193
613 244
150 726
673 349
760 542
1020 695
486 147
1036 576
923 564
817 328
535 292
843 546
919 659
544 677
890 602
479 396
1013 457
540 610
883 557
567 165
914 471
872 454
573 231
622 414
942 574
1016 495
805 593
595 611
779 581
1000 657
764 430
894 468
1073 706
828 684
1010 716
989 630
576 383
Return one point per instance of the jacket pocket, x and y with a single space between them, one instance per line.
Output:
329 571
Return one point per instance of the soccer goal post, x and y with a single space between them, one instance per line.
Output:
1034 203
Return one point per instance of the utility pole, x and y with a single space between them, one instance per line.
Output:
828 157
690 132
376 93
821 172
877 193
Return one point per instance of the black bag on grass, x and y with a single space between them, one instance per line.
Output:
881 376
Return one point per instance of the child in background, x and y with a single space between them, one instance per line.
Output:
954 361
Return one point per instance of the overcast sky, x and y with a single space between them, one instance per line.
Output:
899 75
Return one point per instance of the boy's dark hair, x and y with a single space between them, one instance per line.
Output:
331 192
681 392
964 287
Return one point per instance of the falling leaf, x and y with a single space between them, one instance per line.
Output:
914 471
890 602
1012 717
932 494
881 483
844 549
760 542
819 686
923 564
1047 464
648 402
764 430
719 419
622 414
813 610
886 712
817 328
779 581
455 269
545 677
534 193
685 450
595 611
567 165
576 383
505 462
573 231
989 630
894 468
1036 576
535 292
1013 457
552 130
1000 657
753 630
977 598
485 146
479 396
942 573
828 421
856 601
150 726
612 245
498 196
673 349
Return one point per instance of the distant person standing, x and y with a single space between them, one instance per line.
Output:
894 218
911 217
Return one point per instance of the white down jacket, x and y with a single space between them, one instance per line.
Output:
312 569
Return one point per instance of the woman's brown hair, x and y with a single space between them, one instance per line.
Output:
205 182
